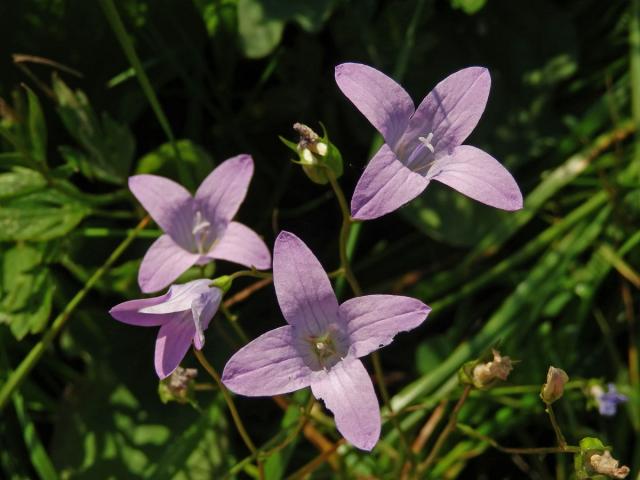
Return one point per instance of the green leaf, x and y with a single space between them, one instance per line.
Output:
162 160
261 22
20 181
108 146
468 6
27 290
37 128
449 217
40 216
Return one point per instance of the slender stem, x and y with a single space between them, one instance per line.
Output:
113 17
232 408
30 361
316 462
250 273
344 234
562 443
450 427
304 417
524 451
233 321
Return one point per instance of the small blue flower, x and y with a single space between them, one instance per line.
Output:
608 401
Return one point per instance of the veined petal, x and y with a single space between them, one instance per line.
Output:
379 98
203 308
129 312
168 203
163 263
303 289
240 244
221 193
478 175
174 339
348 392
269 365
180 297
386 185
373 320
451 110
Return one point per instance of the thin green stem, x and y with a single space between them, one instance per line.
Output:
249 273
562 443
111 12
467 430
344 234
232 408
233 321
304 417
30 361
448 429
634 51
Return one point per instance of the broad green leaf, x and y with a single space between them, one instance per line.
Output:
37 128
468 6
261 22
108 146
20 181
162 160
27 290
40 216
450 217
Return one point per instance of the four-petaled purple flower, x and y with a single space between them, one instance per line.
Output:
183 314
608 401
424 144
198 229
323 342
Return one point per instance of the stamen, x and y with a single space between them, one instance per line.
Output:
427 142
199 224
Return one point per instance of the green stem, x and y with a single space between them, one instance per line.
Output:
634 50
344 234
450 427
232 408
30 361
467 430
249 273
113 17
562 443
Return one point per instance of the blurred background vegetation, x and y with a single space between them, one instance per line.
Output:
556 283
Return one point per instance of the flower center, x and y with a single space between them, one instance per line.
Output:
423 155
325 350
201 232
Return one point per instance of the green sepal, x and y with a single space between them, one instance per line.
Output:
223 282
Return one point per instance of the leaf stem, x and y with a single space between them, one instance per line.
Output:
232 408
450 427
30 361
562 443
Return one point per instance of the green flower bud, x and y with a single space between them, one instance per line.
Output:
554 388
317 155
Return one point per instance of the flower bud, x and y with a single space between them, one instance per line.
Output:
316 154
485 374
554 388
179 386
607 465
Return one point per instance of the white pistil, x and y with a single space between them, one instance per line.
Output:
427 142
199 224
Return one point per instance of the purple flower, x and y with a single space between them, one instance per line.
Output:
183 314
198 229
608 401
424 144
323 342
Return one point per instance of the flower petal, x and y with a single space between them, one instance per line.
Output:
478 175
163 263
379 98
240 244
385 186
221 193
269 365
373 320
303 289
168 203
203 308
348 392
180 297
174 339
451 110
129 312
